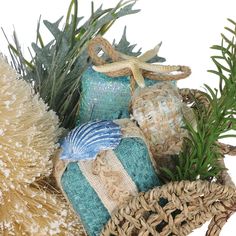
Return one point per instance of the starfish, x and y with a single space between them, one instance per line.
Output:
136 65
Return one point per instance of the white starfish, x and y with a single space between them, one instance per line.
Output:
136 65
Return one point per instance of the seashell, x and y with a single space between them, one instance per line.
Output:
86 141
158 112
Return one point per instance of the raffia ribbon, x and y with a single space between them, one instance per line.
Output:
136 67
111 179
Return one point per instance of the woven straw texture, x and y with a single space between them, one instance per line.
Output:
188 206
158 112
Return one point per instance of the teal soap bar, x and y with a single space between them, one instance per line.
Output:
103 97
133 155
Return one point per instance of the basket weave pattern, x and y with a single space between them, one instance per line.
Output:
189 205
158 111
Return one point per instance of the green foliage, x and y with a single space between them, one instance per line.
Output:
200 153
57 66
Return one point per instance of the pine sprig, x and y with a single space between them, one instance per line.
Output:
199 158
57 66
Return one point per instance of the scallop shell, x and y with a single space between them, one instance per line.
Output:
86 141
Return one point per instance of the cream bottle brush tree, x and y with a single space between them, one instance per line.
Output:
28 136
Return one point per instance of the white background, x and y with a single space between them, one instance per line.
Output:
186 28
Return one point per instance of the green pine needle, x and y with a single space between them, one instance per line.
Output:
199 158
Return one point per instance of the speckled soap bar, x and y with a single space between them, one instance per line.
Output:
104 97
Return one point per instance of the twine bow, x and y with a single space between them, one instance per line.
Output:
136 67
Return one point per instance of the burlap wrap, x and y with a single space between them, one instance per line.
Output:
158 111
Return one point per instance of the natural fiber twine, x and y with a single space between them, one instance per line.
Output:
192 95
99 42
189 205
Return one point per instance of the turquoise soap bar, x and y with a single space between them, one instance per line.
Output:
103 97
133 155
96 188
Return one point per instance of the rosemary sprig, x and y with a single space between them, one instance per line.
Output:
57 66
201 153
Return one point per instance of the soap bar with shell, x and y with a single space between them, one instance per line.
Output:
95 188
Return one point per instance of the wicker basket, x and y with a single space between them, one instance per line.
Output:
177 208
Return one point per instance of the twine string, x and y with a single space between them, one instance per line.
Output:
132 66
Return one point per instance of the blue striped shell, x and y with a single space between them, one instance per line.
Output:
86 141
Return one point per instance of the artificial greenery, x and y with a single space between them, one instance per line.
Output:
57 66
201 152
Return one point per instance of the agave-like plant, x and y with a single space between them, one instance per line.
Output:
56 67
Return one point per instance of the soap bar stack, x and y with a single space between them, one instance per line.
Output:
110 156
